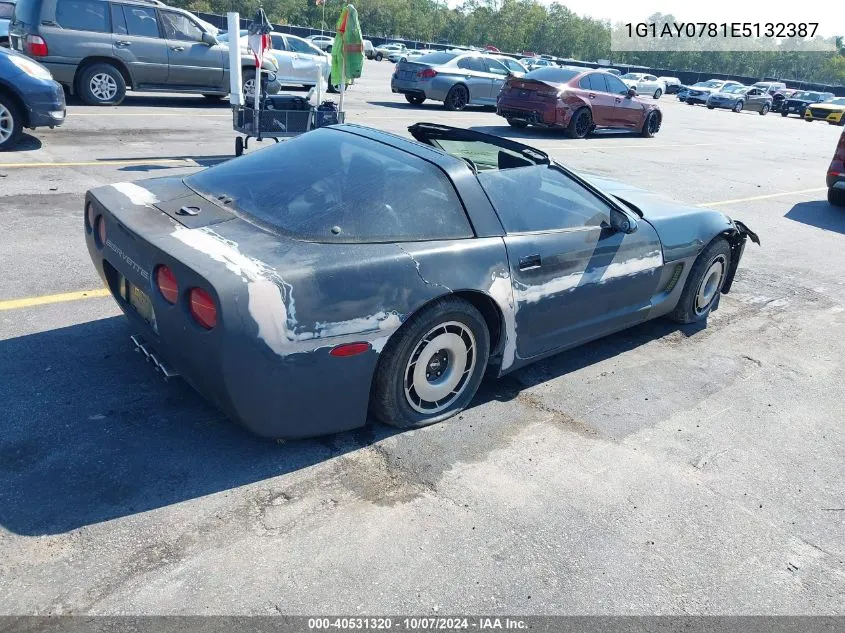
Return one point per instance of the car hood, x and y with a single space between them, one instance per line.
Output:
683 228
828 106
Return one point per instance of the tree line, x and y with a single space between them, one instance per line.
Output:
526 25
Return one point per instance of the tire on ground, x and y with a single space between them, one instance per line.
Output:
572 130
12 119
389 402
836 197
688 310
457 98
103 69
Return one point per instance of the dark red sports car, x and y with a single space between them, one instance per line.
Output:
576 99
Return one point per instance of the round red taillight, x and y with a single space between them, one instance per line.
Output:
167 284
89 217
100 226
203 308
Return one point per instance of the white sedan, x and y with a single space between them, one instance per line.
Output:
645 84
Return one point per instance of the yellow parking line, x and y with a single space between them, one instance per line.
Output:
765 197
28 302
102 163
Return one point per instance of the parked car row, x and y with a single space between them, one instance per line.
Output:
575 99
764 97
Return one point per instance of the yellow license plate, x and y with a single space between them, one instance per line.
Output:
139 300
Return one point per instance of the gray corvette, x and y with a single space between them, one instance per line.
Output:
350 271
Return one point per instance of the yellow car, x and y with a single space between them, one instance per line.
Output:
832 111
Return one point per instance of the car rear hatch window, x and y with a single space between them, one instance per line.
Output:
335 186
26 12
552 75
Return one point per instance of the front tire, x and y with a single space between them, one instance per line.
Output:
702 289
11 124
414 99
580 124
738 106
379 57
517 123
431 368
101 85
784 113
457 98
764 110
658 93
836 197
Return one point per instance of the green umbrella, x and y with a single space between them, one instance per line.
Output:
347 50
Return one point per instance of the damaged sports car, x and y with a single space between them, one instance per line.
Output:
350 271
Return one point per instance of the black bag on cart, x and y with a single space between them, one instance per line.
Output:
326 114
280 102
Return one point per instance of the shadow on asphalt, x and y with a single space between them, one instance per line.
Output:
428 106
30 143
91 433
819 213
202 161
545 133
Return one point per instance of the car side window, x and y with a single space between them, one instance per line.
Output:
542 198
299 47
584 82
615 86
472 63
597 83
118 22
180 27
83 15
278 43
650 78
496 67
141 21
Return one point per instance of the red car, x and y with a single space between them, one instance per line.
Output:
491 49
836 175
577 99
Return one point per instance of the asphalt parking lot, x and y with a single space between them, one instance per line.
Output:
666 469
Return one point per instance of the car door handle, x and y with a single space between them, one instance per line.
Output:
529 261
618 100
467 76
122 43
591 95
178 49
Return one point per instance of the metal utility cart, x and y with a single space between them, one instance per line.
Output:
269 123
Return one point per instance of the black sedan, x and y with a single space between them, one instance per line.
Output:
350 271
799 102
29 97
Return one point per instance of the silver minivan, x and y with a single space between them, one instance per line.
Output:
101 48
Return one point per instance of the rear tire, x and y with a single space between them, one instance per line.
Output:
11 124
738 106
414 99
101 85
784 113
517 123
764 110
457 98
379 57
836 197
580 124
710 107
658 93
651 125
704 284
431 368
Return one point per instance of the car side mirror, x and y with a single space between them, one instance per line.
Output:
624 222
208 38
632 92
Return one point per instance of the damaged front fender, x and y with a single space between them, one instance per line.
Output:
737 238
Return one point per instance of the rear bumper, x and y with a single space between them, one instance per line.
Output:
416 88
63 73
532 112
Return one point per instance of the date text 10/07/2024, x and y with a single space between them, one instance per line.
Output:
721 29
417 623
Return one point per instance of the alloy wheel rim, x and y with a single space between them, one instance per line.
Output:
7 124
582 124
459 100
103 86
710 284
249 87
439 368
